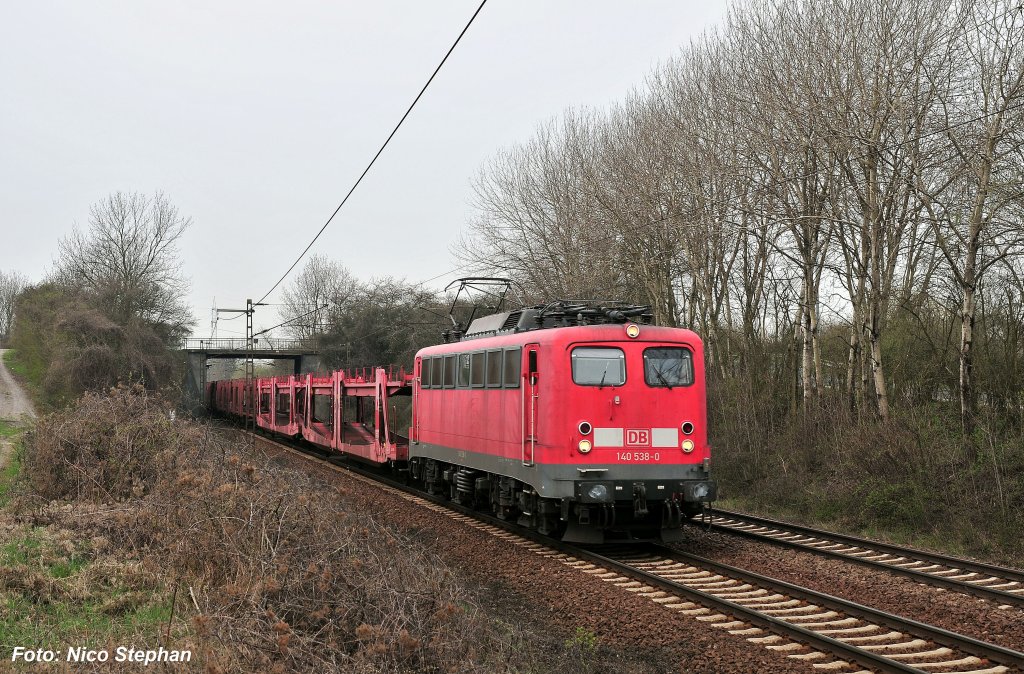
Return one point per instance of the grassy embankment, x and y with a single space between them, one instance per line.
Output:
58 589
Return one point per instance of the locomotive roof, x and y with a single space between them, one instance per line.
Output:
567 335
556 314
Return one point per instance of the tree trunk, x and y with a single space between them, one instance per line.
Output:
877 372
792 349
967 398
807 350
852 373
875 306
816 348
970 287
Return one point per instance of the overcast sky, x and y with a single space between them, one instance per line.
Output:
256 117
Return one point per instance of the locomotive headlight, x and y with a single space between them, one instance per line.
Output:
632 330
598 492
585 446
687 445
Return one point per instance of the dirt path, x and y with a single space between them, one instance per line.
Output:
14 406
13 401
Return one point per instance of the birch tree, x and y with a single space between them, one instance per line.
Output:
973 201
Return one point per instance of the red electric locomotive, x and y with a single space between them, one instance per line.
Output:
576 420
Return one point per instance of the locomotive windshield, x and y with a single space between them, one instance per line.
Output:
668 367
593 366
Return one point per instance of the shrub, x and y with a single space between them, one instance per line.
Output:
106 448
271 569
914 478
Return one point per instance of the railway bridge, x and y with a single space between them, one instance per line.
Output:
199 352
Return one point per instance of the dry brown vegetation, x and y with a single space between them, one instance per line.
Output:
65 343
266 568
911 481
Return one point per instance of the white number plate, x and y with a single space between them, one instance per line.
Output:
638 456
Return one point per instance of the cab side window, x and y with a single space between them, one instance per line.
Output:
437 371
449 371
476 370
425 373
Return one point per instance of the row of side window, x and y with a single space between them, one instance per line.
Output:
493 368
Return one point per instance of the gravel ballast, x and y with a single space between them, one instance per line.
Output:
551 598
878 589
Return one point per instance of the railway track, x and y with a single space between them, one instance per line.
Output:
830 633
825 630
1001 585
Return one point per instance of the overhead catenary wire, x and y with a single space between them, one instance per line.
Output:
290 320
379 151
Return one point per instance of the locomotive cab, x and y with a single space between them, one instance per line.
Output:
635 416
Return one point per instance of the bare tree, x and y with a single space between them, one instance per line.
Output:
798 172
11 285
536 216
314 294
880 103
128 255
384 320
631 179
973 196
700 188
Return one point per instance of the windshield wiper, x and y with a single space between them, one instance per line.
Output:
603 376
661 377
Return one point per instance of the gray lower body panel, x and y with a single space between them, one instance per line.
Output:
556 480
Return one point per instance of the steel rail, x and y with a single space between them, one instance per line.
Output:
1000 654
902 555
840 649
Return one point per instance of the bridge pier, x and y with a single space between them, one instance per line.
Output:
308 363
195 382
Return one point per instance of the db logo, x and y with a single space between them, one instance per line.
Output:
638 437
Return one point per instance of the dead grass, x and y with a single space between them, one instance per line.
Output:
269 571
